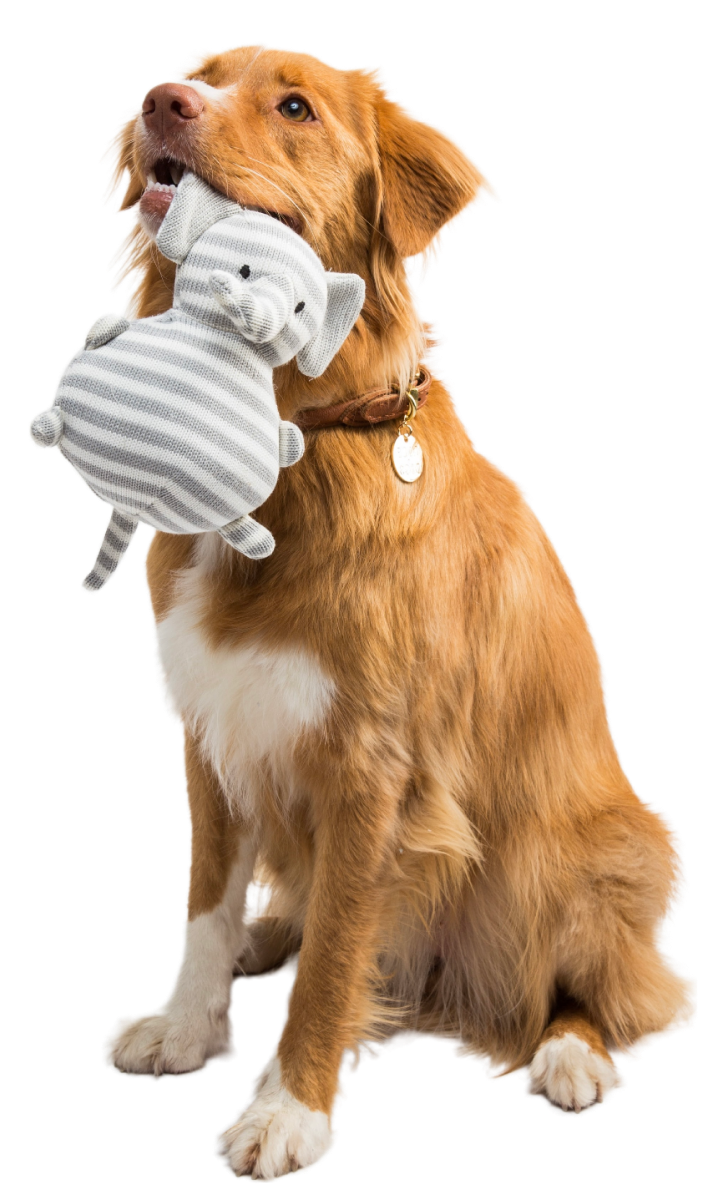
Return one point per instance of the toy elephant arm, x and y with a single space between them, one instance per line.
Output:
105 329
47 428
345 296
291 444
116 541
249 537
259 310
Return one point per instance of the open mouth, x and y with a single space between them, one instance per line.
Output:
161 184
163 179
166 172
160 189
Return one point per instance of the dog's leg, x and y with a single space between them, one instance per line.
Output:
614 984
572 1066
194 1024
270 942
288 1124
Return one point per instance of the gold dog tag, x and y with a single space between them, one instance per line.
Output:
407 457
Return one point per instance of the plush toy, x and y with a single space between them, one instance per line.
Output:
172 419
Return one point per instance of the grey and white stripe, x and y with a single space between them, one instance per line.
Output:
172 419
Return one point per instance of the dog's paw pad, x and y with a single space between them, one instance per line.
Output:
570 1073
277 1133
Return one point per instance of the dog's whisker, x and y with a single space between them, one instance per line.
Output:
287 196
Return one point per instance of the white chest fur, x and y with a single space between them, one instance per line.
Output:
248 704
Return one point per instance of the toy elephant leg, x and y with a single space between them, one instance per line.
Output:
47 428
291 444
249 537
104 330
118 536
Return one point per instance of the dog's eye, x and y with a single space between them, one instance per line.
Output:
295 109
244 272
299 306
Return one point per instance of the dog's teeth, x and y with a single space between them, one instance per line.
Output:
176 172
154 187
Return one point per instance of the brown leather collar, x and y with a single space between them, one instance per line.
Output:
367 410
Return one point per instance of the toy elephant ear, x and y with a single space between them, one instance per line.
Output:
345 296
194 208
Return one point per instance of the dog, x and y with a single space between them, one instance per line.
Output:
396 721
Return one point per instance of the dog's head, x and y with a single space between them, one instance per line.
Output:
324 152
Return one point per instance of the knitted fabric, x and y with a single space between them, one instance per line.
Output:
172 419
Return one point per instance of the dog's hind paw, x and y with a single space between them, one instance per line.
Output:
570 1073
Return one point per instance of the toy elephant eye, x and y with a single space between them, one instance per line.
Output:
299 306
244 272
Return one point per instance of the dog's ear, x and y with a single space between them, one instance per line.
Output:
118 156
426 179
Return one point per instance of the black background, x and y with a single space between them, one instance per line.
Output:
542 378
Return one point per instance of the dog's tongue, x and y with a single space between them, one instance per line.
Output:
154 206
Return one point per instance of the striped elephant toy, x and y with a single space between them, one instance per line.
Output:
172 419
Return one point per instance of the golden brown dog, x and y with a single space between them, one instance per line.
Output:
397 719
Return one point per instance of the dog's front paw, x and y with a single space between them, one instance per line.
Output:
166 1044
277 1133
571 1074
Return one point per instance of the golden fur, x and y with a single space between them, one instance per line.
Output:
466 853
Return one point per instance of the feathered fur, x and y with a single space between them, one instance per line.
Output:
461 848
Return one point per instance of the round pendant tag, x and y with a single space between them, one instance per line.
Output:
407 458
